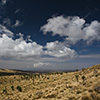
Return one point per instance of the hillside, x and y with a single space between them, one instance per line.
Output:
79 85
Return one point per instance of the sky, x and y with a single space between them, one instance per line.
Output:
49 34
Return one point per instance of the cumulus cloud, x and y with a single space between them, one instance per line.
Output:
73 28
18 48
40 64
26 48
58 49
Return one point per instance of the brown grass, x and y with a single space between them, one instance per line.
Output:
55 86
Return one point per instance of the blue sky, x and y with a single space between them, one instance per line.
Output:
55 35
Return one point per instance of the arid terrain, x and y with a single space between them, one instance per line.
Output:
78 85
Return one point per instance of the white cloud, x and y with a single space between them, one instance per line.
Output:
4 30
58 49
17 23
25 49
92 32
74 28
18 48
40 64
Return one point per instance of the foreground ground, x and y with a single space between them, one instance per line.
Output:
79 85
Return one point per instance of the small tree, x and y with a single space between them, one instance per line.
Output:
83 78
77 76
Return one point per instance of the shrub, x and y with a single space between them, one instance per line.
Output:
18 80
34 75
77 70
4 91
12 87
57 72
96 75
61 73
19 88
83 77
26 77
22 77
47 77
77 76
14 77
83 69
38 75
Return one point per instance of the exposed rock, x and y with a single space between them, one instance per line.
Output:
97 89
39 93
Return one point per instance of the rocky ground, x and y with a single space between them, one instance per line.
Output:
79 85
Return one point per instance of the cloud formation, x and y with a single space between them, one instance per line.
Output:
18 48
40 64
26 48
73 28
58 49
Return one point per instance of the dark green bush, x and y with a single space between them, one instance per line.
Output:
83 77
77 76
77 70
61 73
4 91
96 75
12 87
47 77
19 88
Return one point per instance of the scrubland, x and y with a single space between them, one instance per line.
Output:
78 85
